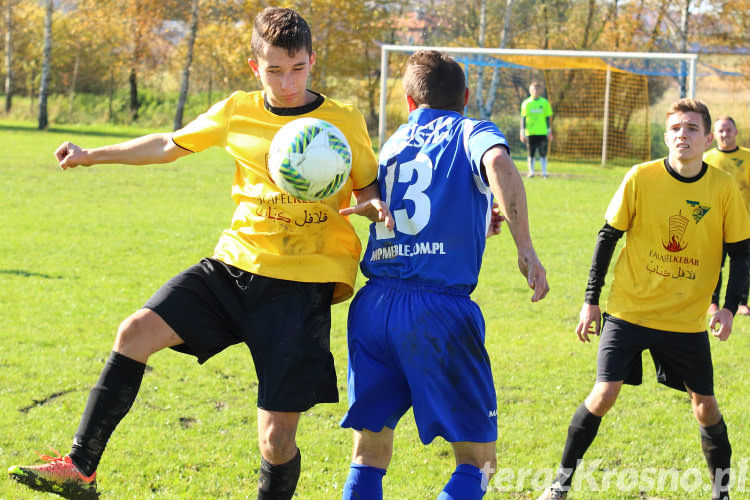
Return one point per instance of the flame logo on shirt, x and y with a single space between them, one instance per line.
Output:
677 225
698 210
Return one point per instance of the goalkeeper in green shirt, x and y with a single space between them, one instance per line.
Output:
536 130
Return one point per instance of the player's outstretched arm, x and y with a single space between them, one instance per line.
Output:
507 186
371 206
152 148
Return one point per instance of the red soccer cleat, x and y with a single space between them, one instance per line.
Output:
58 475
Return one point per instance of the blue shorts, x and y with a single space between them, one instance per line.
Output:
412 344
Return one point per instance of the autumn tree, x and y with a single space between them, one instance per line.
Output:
193 29
345 36
222 47
485 101
81 54
149 47
8 18
730 24
144 19
46 56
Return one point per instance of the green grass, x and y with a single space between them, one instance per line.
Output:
81 250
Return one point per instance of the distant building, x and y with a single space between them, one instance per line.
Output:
415 28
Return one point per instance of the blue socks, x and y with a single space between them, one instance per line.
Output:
364 483
465 484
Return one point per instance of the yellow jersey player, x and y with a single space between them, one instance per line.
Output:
734 160
675 213
270 281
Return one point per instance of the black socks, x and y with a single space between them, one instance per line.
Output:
581 433
109 401
718 453
583 429
278 482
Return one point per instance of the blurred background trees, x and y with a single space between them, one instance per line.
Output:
119 58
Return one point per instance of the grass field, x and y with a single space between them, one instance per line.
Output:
81 250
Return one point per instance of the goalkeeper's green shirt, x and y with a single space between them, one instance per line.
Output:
536 111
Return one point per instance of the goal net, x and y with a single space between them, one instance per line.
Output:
601 100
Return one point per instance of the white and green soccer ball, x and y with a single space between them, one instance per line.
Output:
310 159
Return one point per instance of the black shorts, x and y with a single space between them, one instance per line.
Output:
536 143
681 359
286 325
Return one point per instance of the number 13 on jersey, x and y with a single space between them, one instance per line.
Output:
422 167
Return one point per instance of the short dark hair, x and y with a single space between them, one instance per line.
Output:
283 28
695 106
435 80
726 117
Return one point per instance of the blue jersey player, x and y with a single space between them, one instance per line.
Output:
416 339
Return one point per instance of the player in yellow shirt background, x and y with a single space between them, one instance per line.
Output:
676 213
272 277
734 160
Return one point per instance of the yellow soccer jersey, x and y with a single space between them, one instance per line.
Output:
273 234
674 227
737 164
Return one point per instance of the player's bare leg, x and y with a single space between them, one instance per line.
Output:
144 333
602 397
530 162
475 465
280 457
139 336
370 458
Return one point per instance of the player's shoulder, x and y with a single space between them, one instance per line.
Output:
338 106
719 175
650 170
712 153
649 166
340 114
241 101
475 126
244 95
345 116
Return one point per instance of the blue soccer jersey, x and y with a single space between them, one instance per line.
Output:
430 176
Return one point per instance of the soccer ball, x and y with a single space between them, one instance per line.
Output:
309 159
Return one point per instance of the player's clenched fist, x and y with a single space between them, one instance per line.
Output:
69 155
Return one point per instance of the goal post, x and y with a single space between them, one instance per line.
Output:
607 80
